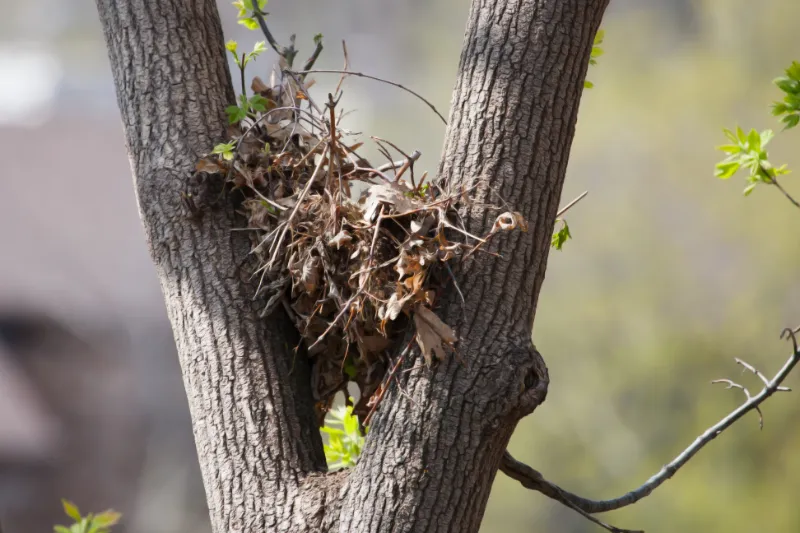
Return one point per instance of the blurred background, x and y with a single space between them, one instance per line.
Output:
671 273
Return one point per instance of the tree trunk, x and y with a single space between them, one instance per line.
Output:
434 448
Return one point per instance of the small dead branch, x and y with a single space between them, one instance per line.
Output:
532 479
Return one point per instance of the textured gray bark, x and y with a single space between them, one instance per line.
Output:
433 451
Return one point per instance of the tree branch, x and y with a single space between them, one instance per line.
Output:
786 194
533 479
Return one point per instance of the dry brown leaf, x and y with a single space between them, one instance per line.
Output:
386 193
432 334
208 166
371 344
393 307
340 239
407 265
258 86
310 276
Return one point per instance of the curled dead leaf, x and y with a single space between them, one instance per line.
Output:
340 239
393 307
510 221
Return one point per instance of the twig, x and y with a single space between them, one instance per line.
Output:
786 194
416 154
569 205
296 208
257 13
733 385
362 75
313 59
534 480
345 68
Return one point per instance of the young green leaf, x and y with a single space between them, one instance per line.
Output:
107 519
258 103
791 121
248 22
225 150
235 114
561 236
726 169
71 510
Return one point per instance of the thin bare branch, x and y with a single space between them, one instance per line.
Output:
569 205
534 480
786 194
362 75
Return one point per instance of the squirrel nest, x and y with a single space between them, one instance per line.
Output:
355 272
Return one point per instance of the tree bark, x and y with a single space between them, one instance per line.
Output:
437 440
253 420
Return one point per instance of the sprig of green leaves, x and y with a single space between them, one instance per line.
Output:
597 51
245 9
91 523
746 151
245 106
789 108
345 440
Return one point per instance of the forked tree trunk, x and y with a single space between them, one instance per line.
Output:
434 449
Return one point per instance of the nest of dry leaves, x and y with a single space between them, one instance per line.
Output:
355 253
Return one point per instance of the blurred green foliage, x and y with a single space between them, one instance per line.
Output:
672 277
91 523
789 108
344 438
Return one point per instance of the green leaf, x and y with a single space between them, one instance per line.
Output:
225 150
317 39
60 529
231 46
597 51
587 84
766 137
791 120
598 38
780 170
107 518
779 108
730 148
258 103
726 169
249 23
561 236
740 136
235 114
754 140
787 85
749 189
259 47
730 135
71 510
794 71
